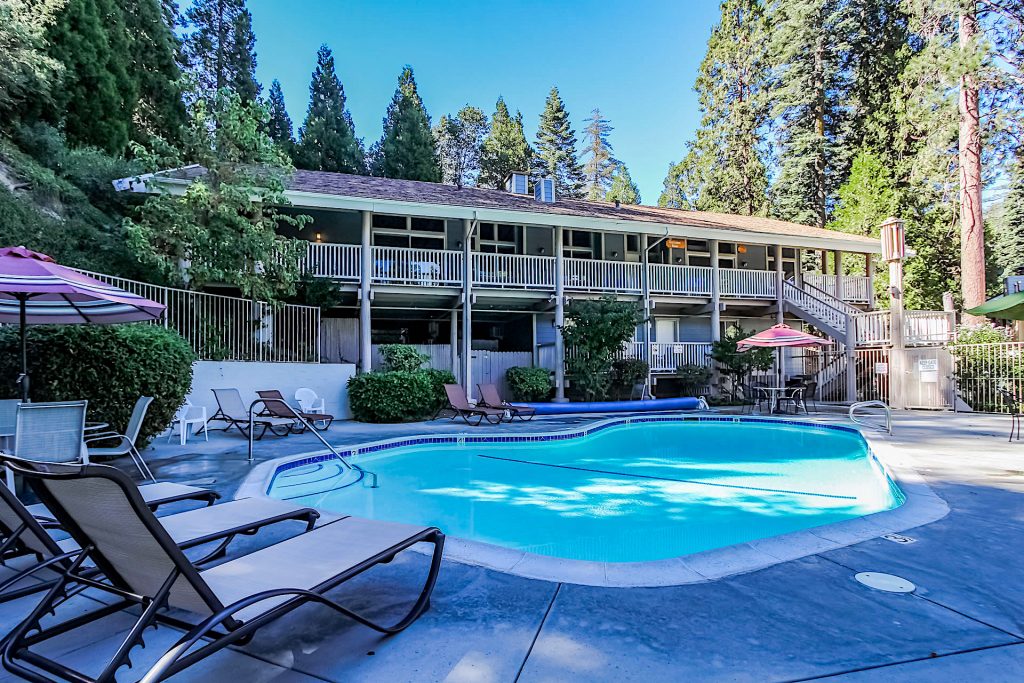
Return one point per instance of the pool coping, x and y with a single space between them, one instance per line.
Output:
921 506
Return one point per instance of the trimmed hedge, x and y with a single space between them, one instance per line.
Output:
397 395
529 384
110 366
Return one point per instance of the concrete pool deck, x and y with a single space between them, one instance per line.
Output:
804 619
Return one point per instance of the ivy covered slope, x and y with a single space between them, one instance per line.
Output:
73 213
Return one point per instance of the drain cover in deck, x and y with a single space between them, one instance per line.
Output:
885 582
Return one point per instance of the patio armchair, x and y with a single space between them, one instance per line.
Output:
235 413
794 396
1016 408
25 532
490 398
811 394
49 431
752 398
276 406
126 443
187 416
309 402
150 580
458 404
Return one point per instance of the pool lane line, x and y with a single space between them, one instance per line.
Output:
681 481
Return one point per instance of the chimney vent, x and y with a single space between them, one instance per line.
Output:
517 182
544 190
618 204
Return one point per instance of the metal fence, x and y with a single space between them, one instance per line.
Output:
221 327
987 375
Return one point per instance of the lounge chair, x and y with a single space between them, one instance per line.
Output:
145 570
232 410
276 406
489 397
125 442
24 533
458 403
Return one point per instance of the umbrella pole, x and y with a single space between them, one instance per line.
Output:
23 377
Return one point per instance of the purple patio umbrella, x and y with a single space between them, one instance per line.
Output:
35 290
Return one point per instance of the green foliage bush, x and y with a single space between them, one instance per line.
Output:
595 330
629 371
397 395
737 364
692 378
529 384
402 358
110 366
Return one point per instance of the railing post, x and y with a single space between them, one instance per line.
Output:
365 294
851 358
645 286
869 271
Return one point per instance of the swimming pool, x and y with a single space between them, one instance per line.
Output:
624 491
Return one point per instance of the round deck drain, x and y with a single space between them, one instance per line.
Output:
885 582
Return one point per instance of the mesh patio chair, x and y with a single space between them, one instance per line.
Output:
147 576
459 404
24 533
811 394
126 443
793 396
49 432
276 406
232 410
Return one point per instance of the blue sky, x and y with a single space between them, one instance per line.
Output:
636 61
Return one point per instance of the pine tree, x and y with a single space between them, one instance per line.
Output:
600 166
160 111
504 149
555 152
680 189
459 143
1010 244
98 95
29 73
623 189
867 197
219 49
406 150
279 128
724 167
327 140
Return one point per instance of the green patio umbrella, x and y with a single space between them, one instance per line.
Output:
1008 307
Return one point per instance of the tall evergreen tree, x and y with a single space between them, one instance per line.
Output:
555 151
279 127
504 149
1010 244
97 96
623 189
327 139
27 71
459 142
808 43
406 150
724 167
600 165
219 48
160 111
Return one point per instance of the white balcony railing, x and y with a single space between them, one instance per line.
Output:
338 261
920 328
754 284
685 280
424 267
514 271
853 288
667 356
605 276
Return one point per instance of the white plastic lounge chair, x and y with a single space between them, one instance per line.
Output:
145 569
125 442
186 418
22 532
232 410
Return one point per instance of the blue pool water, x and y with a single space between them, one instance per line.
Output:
628 493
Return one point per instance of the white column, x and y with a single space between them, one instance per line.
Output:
534 351
851 359
453 343
365 294
716 293
467 307
645 276
780 291
869 270
559 318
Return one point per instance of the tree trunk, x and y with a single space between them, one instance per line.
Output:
972 226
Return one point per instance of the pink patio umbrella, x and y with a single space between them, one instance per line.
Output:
35 290
779 336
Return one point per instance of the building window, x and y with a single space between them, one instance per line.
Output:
406 231
499 238
579 244
790 266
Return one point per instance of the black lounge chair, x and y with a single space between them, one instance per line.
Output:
458 403
23 533
490 398
145 571
276 406
232 410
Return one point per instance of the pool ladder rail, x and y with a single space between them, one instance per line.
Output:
872 404
362 473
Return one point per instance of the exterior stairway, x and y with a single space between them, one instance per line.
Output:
819 308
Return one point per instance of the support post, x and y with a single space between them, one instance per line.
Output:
466 368
798 272
365 293
645 353
453 343
869 271
780 290
534 351
893 249
851 359
559 317
716 306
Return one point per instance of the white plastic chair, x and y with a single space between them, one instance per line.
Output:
308 401
187 416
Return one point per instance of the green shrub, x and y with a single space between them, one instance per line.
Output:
529 384
402 358
693 378
110 366
397 395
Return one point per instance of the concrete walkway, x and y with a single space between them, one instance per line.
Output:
806 619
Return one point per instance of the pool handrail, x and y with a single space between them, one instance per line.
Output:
872 404
345 463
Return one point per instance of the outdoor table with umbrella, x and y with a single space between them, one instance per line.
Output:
35 290
778 337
